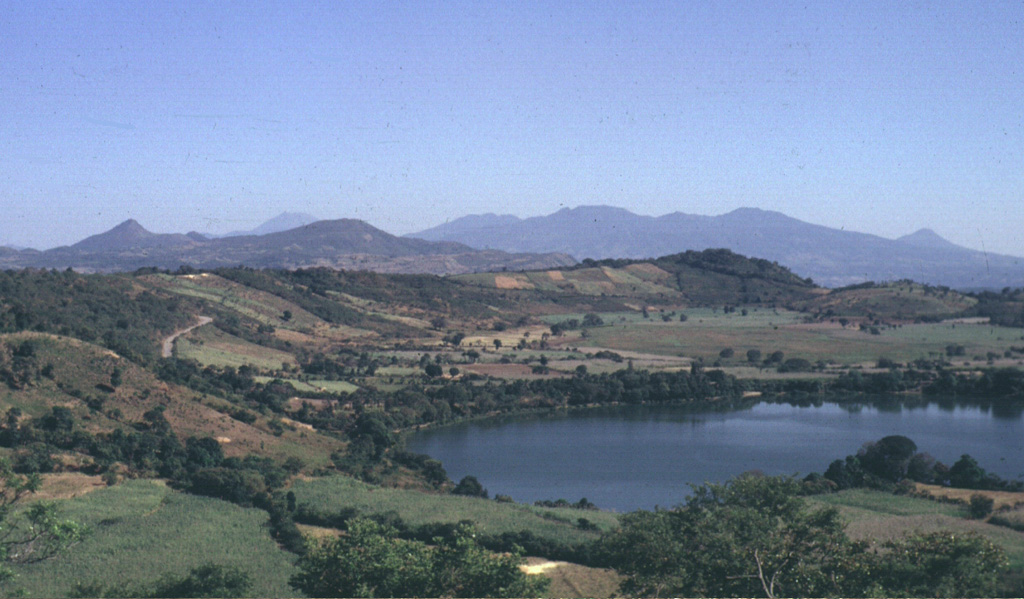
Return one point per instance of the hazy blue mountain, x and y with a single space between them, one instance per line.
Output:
927 238
346 243
831 257
281 222
127 235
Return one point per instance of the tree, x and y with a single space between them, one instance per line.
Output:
889 457
370 561
750 536
965 473
939 564
497 344
34 534
756 536
471 487
753 355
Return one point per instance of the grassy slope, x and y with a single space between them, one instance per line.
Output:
337 492
878 516
895 300
141 530
210 346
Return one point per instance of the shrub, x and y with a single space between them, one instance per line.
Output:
980 506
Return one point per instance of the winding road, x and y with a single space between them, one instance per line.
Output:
169 341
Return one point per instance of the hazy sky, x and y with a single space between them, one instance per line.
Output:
877 117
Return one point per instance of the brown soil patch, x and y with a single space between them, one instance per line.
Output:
295 403
574 580
556 275
647 269
1001 499
317 532
615 276
66 485
297 424
507 282
293 336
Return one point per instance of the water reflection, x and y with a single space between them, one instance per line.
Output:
631 457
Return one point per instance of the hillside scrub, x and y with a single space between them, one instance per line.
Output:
759 538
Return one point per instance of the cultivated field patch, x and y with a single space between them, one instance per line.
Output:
211 346
141 530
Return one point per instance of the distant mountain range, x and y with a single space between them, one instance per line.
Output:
831 257
281 222
346 243
489 242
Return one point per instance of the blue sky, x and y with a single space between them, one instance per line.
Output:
876 117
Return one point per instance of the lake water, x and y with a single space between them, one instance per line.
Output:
631 458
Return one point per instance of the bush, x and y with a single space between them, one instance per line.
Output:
980 506
372 562
470 487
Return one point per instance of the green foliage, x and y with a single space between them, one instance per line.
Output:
370 561
893 459
340 494
142 531
940 564
93 308
965 473
31 535
980 506
757 537
208 580
470 487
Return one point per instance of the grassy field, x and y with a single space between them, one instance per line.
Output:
313 385
211 346
337 492
705 333
141 530
876 516
252 303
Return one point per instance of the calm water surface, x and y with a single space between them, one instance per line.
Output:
631 458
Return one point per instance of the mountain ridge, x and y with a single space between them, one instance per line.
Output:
832 257
343 243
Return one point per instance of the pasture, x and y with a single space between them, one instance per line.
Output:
877 517
141 530
211 346
707 332
334 493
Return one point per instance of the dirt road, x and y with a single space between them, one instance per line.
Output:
169 341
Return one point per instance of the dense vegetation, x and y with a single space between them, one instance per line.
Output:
370 561
758 537
111 311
